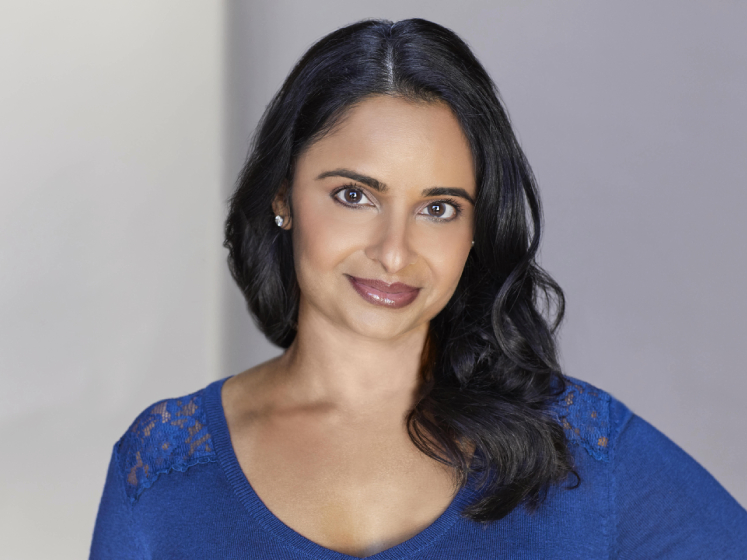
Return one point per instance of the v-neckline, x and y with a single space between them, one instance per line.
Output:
228 461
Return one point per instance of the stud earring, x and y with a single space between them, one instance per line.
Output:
473 242
279 221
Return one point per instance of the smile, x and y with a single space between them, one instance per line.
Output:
394 296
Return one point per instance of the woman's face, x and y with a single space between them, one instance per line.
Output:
383 217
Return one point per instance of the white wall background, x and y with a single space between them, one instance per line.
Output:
110 231
123 125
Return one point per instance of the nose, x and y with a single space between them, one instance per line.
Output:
391 245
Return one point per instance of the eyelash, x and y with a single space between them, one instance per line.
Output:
453 203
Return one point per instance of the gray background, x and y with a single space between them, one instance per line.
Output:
122 128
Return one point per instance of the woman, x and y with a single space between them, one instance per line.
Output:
384 232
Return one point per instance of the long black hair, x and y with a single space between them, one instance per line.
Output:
490 364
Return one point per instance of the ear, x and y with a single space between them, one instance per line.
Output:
281 206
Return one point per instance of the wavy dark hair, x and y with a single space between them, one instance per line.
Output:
491 372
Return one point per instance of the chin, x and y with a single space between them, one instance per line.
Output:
377 325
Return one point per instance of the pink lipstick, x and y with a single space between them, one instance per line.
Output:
394 296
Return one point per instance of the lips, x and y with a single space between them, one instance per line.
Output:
377 292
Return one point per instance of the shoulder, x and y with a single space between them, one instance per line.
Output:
591 417
665 504
169 435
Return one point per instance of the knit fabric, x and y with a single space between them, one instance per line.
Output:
174 489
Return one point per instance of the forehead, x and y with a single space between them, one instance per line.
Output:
397 141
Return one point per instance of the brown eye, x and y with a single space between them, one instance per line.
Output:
437 209
440 210
352 197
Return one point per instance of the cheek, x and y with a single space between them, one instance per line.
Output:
445 250
323 236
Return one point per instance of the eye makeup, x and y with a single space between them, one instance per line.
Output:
338 195
457 209
349 204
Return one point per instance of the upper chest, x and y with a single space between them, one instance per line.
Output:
357 487
172 435
571 524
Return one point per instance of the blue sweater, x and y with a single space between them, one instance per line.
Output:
175 490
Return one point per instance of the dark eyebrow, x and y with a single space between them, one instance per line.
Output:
449 191
365 179
381 187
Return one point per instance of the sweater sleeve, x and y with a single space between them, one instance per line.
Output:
114 534
667 505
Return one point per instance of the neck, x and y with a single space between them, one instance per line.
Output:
328 363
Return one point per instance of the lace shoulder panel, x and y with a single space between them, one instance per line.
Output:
170 435
584 412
